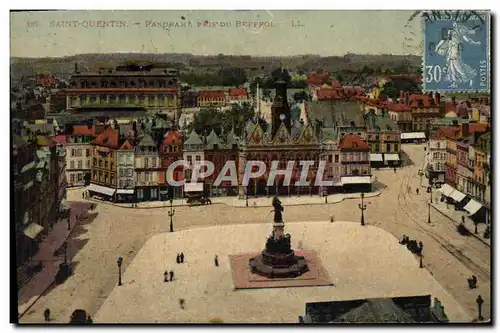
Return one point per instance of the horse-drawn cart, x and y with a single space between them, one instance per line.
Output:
195 194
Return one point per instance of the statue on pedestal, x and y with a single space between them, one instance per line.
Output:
278 208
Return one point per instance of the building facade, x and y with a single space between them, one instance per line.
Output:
125 170
214 98
79 155
170 150
104 164
147 167
355 160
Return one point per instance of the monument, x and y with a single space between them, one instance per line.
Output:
278 260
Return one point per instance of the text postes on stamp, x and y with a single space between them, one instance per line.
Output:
456 51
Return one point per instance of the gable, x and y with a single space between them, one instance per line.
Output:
307 136
257 137
282 136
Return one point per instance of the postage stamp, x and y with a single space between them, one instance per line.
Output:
456 51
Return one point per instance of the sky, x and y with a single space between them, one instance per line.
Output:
321 32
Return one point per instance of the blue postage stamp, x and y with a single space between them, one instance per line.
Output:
456 51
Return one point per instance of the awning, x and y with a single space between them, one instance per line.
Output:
124 191
446 190
473 206
28 166
413 135
101 189
457 195
391 157
33 230
356 180
193 187
376 158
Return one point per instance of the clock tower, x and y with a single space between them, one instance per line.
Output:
280 110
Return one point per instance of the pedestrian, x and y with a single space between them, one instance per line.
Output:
165 276
171 275
417 191
394 169
182 257
216 261
89 320
83 195
178 259
46 314
182 302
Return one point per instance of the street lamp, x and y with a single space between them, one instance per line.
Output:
479 302
429 215
246 196
171 213
65 249
362 207
421 245
119 262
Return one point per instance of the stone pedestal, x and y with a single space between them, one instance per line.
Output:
278 260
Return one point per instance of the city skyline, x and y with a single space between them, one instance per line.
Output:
254 33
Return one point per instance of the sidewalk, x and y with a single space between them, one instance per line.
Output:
456 215
235 201
41 281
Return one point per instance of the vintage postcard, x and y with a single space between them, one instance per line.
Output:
251 166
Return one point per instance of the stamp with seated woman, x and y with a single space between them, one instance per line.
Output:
456 51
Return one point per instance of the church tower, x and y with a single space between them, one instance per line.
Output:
280 110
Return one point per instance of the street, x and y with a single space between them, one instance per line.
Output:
116 231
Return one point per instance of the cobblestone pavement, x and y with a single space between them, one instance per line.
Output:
116 231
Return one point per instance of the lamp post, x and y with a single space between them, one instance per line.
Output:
429 215
65 249
479 302
421 245
119 262
246 196
362 207
171 214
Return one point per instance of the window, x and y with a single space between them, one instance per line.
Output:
112 179
129 172
94 175
189 157
154 162
146 162
330 158
73 152
105 164
95 161
88 164
140 193
80 164
129 182
106 177
388 147
198 158
112 165
72 164
377 148
100 163
121 173
72 178
87 152
396 147
154 193
80 177
100 176
336 158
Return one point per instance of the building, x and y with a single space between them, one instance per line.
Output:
189 99
211 98
193 151
170 150
237 95
125 169
401 115
155 90
104 177
330 153
219 151
79 154
355 161
424 109
384 139
408 309
438 155
147 168
23 194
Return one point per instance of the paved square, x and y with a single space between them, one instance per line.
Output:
362 262
243 278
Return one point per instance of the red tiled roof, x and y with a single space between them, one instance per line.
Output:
446 132
339 93
83 130
427 101
336 84
478 127
397 107
46 81
108 138
211 94
317 79
327 93
126 145
237 92
171 137
61 138
353 141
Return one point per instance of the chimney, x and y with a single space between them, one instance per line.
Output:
437 98
465 130
401 96
407 98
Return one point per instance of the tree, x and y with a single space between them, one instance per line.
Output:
232 76
300 96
